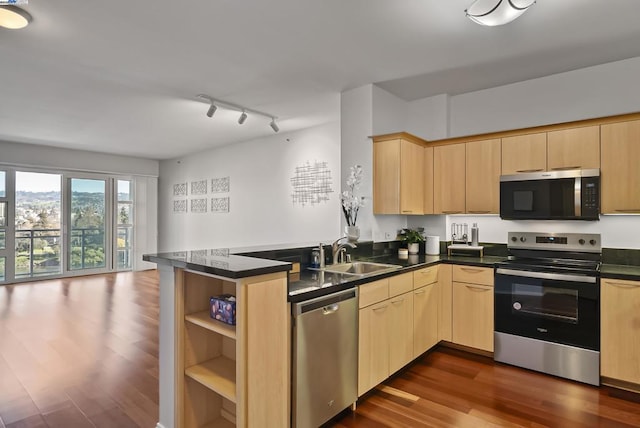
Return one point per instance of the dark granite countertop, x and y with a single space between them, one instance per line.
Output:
312 284
630 272
222 262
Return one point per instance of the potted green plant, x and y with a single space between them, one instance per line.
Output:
412 238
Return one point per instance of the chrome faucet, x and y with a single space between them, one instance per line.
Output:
336 248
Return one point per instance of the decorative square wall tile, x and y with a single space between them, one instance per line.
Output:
220 205
180 206
199 187
198 206
220 185
180 189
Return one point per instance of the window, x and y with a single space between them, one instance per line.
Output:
124 222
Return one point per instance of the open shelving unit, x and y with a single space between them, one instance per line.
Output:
215 360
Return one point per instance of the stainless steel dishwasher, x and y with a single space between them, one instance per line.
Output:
325 357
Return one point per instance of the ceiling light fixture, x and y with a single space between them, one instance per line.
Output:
497 12
212 109
214 104
13 17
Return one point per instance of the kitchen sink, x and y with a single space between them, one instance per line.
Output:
359 268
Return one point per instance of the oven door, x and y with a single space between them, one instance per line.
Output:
553 307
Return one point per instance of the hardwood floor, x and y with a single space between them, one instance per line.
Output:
80 352
451 388
83 352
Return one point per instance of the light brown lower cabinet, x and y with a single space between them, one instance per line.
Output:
620 330
473 307
425 318
401 331
373 346
445 308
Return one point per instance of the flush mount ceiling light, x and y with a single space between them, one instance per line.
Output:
497 12
214 104
13 17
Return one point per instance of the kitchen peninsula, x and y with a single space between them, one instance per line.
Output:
218 375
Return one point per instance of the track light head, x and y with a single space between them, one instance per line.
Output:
212 110
242 117
274 125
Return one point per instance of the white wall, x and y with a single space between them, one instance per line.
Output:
357 112
603 90
261 207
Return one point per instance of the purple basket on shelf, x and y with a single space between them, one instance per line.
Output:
223 308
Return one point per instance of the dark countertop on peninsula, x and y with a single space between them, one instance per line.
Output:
629 272
222 262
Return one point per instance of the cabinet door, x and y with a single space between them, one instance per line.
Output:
524 153
373 346
449 179
411 178
428 180
400 331
482 188
473 315
620 171
620 325
446 303
386 177
573 148
425 318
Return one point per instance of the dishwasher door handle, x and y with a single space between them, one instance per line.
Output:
332 309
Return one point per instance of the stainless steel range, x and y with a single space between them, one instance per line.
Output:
547 304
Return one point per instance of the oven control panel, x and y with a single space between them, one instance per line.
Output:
583 242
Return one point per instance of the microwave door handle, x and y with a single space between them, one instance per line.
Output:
577 195
546 275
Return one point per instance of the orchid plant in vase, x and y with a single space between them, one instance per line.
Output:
351 203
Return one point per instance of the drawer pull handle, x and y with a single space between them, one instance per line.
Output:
397 301
478 288
564 168
530 170
451 212
630 210
419 292
479 212
471 270
380 308
407 211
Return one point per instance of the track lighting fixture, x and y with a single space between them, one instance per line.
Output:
214 104
212 110
274 125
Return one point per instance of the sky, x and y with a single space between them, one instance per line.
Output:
42 182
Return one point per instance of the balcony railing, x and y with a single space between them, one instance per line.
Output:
38 250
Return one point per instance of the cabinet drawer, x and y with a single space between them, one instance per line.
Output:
373 292
400 284
425 276
473 275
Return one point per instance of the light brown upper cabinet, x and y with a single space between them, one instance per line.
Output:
574 148
524 153
483 177
449 179
620 167
428 180
398 180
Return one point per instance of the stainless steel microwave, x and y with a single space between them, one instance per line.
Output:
554 195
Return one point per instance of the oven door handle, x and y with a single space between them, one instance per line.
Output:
546 275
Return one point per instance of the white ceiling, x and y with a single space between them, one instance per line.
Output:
121 76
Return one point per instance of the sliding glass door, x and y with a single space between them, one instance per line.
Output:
38 202
87 224
55 224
